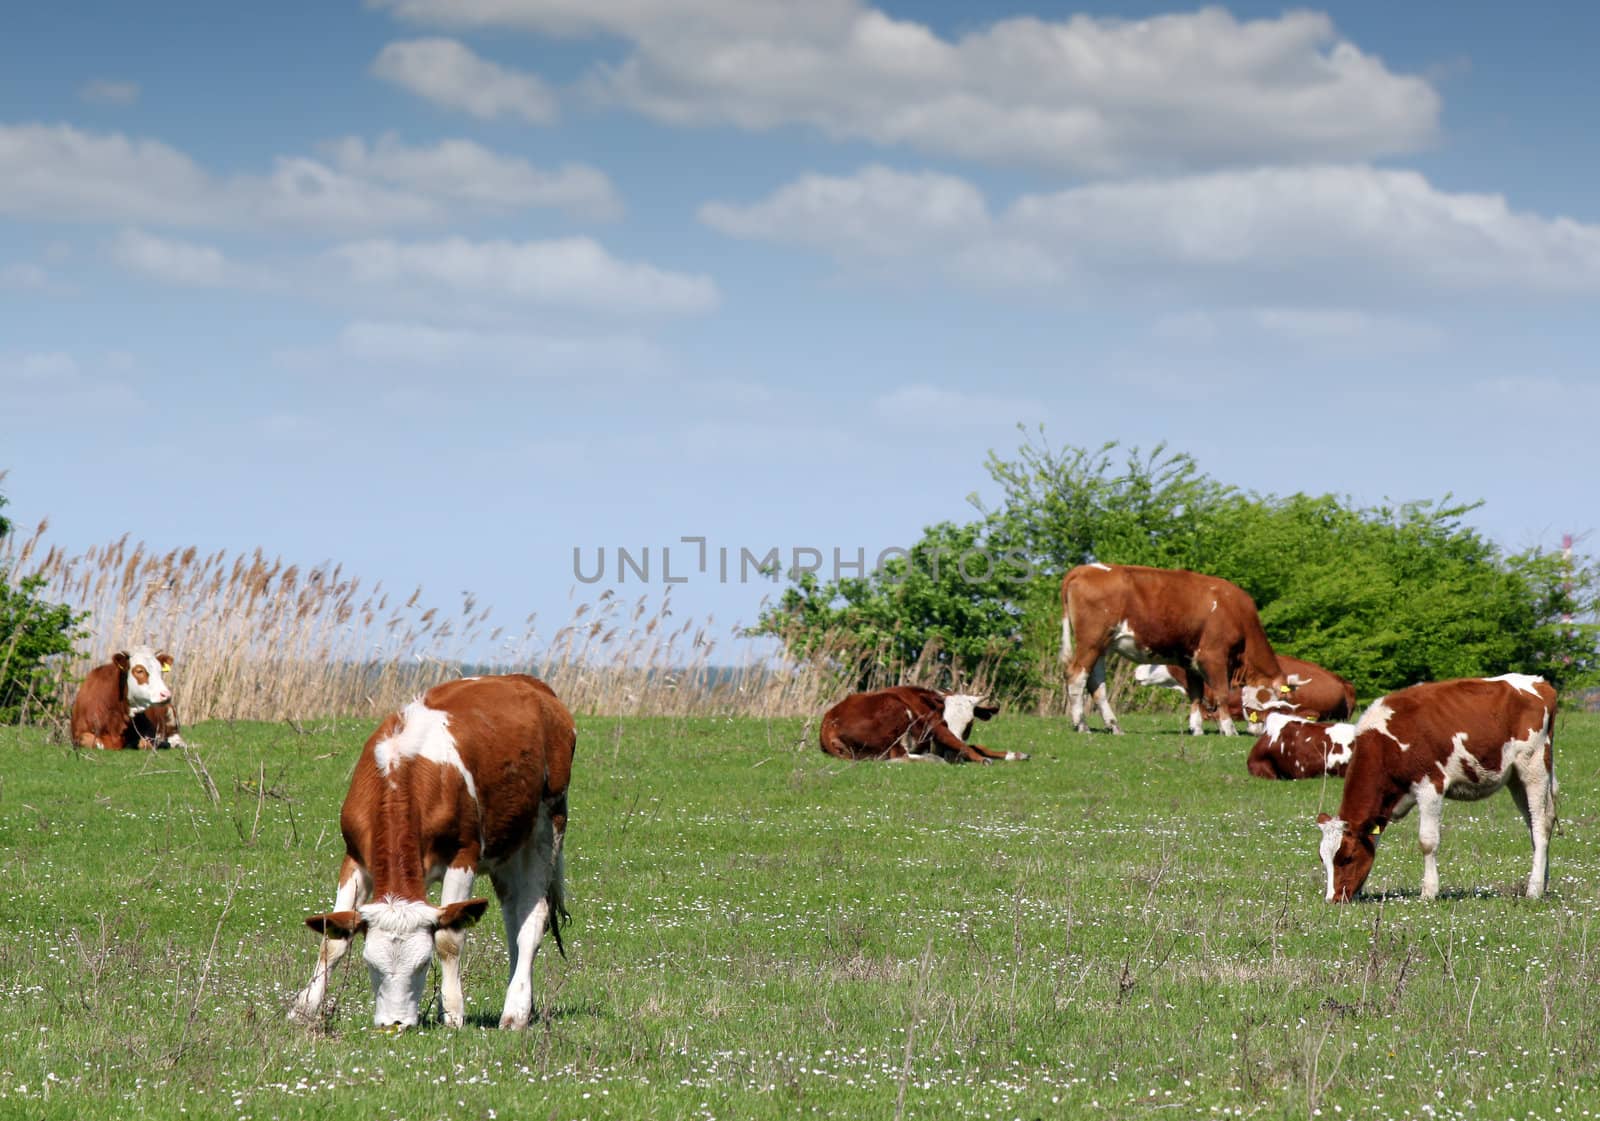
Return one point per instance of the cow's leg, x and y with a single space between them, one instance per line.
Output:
1214 670
1002 756
447 943
1430 808
525 884
1531 790
1195 690
1102 700
1077 676
355 887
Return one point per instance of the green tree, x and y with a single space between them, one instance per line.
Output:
32 630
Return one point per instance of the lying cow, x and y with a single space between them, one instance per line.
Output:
1315 693
472 776
127 703
1460 739
1162 616
908 722
1294 747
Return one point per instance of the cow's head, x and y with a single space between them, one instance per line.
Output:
146 672
399 948
1347 853
1276 695
960 709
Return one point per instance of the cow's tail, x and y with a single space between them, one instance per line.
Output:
1066 625
556 891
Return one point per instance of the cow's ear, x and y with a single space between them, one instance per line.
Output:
165 661
459 916
986 712
1323 819
338 924
120 659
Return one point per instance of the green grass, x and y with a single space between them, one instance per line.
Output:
1123 927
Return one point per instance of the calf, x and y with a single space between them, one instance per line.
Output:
1163 616
1315 693
472 776
1461 739
1294 747
126 703
908 722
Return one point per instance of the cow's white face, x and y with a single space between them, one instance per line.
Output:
398 952
960 709
147 683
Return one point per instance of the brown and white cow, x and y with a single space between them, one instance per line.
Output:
1461 739
909 722
1166 616
1316 693
470 777
127 703
1294 747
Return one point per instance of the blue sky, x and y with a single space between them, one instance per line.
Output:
442 289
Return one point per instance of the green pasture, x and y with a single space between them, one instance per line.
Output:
1122 927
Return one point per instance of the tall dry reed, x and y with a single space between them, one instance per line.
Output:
260 639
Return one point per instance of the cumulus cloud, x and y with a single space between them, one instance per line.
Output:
58 172
449 73
467 172
48 383
1326 229
170 260
575 273
104 91
1088 94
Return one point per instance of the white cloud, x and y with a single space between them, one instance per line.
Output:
52 384
57 172
450 74
24 276
510 352
170 260
1086 94
576 273
1322 234
466 172
927 407
105 91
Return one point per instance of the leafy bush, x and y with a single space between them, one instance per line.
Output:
31 632
1386 596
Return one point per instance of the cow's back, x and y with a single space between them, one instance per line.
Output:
1169 608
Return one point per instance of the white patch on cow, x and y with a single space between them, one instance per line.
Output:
1522 682
1157 676
1332 836
1213 605
154 691
1014 756
958 710
423 733
1278 721
1343 737
1100 566
1376 719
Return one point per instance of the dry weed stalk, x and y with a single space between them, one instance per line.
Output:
258 639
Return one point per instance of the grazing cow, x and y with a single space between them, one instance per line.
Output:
908 722
472 776
1316 693
1460 739
126 703
1163 616
1294 747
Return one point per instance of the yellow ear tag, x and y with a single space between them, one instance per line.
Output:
1376 829
1286 688
166 667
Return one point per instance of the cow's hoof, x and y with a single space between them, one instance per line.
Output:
1116 730
513 1022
